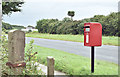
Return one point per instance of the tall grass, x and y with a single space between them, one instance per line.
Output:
74 64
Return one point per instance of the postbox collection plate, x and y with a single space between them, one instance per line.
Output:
88 29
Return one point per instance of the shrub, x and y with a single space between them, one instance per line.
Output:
29 31
35 32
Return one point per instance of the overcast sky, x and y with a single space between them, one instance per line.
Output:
34 10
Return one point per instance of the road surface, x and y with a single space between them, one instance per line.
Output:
105 52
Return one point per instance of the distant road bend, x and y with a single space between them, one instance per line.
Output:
105 52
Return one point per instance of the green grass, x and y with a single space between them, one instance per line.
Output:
106 40
74 64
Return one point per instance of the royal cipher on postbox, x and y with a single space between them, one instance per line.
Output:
92 34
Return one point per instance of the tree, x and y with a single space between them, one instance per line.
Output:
6 8
71 13
9 7
54 26
66 19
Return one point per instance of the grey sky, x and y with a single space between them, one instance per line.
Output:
34 10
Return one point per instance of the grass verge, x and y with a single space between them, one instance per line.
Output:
106 40
74 64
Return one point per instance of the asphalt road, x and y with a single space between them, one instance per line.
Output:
105 52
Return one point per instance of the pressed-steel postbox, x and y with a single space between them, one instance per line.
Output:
92 34
92 37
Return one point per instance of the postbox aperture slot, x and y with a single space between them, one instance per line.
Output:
86 26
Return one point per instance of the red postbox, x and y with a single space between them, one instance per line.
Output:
92 37
92 34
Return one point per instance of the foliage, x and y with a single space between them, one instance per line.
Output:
47 25
31 61
55 26
109 23
66 19
29 31
30 26
34 32
8 26
4 55
71 13
9 7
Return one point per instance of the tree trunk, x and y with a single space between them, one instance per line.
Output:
0 18
0 36
71 18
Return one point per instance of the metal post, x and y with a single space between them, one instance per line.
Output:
92 59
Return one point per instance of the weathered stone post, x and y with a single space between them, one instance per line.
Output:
16 45
50 66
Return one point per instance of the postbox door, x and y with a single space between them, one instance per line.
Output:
96 34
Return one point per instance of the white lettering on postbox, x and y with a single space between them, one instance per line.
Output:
87 38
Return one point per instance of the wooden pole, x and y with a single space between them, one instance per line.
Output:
16 45
50 66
